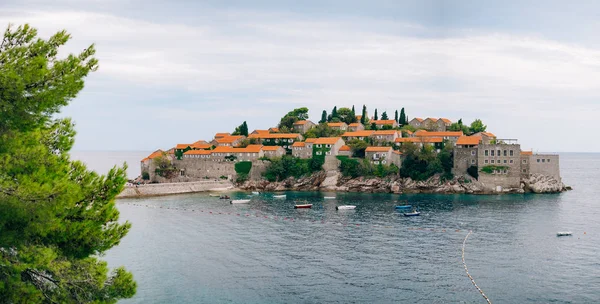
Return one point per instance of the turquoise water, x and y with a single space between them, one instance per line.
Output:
179 252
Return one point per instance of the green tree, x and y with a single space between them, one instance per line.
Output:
384 116
396 116
323 117
56 217
375 117
364 119
346 115
353 112
373 126
403 120
322 130
477 126
357 147
241 129
293 116
334 113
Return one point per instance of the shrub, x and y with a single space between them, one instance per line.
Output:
243 167
223 177
145 175
241 177
286 166
490 169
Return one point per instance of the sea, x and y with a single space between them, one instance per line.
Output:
199 249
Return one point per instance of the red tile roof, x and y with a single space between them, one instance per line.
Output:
446 120
526 152
275 135
378 149
418 119
423 133
219 135
417 140
301 122
271 148
154 154
198 145
182 146
383 122
468 140
345 148
358 134
228 139
385 132
355 124
327 140
336 124
310 140
197 152
299 144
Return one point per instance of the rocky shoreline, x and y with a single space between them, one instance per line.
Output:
333 181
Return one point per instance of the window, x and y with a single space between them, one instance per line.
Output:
511 161
524 170
486 153
319 153
328 153
492 161
383 162
505 171
328 146
473 152
505 152
548 160
472 161
505 160
538 160
543 160
486 161
318 146
511 153
524 161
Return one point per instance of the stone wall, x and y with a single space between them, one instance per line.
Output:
502 156
331 163
545 164
173 188
258 168
463 159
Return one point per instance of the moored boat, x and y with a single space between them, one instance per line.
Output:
224 197
345 207
564 233
404 207
241 201
214 195
414 213
280 196
255 192
303 206
329 197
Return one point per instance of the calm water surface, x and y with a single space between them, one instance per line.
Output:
369 255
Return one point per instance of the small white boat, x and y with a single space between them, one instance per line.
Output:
414 213
280 196
214 195
329 197
564 233
345 207
240 201
255 192
303 206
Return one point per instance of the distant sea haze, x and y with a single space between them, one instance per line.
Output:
103 161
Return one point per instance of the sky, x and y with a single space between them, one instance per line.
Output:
179 71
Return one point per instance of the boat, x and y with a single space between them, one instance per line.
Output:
564 233
414 213
224 197
303 206
329 197
404 207
345 207
280 196
240 201
214 195
255 192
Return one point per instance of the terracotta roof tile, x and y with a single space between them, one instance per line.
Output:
222 149
218 135
446 120
197 152
432 119
423 133
378 149
385 132
418 119
310 140
336 124
201 145
417 140
526 152
271 148
468 140
228 139
154 154
327 140
355 124
345 148
383 122
275 135
397 152
358 134
182 146
299 144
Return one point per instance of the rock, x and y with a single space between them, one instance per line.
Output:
538 183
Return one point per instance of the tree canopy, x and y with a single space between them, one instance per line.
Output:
477 126
241 129
293 116
56 217
384 116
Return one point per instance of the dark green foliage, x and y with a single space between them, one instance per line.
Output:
230 157
241 130
323 117
364 119
473 171
423 163
346 115
56 216
286 166
477 126
357 147
145 175
387 127
458 126
373 126
241 177
322 130
334 112
396 116
384 116
354 167
291 117
403 120
243 167
353 112
490 169
222 177
164 167
375 117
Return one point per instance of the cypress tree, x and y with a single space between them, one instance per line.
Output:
363 118
334 112
353 113
375 117
402 119
396 116
323 117
244 129
384 116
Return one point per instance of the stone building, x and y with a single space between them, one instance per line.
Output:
299 149
229 141
383 155
356 126
340 126
466 153
499 166
274 151
286 140
381 123
345 151
384 136
362 135
328 146
445 135
544 164
301 126
436 142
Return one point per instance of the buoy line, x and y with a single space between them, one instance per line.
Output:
467 270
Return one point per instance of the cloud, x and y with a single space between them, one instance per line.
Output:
258 65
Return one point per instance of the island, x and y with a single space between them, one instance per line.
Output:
348 152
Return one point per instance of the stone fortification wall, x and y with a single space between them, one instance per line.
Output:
502 155
258 168
545 164
463 159
198 170
173 188
331 163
